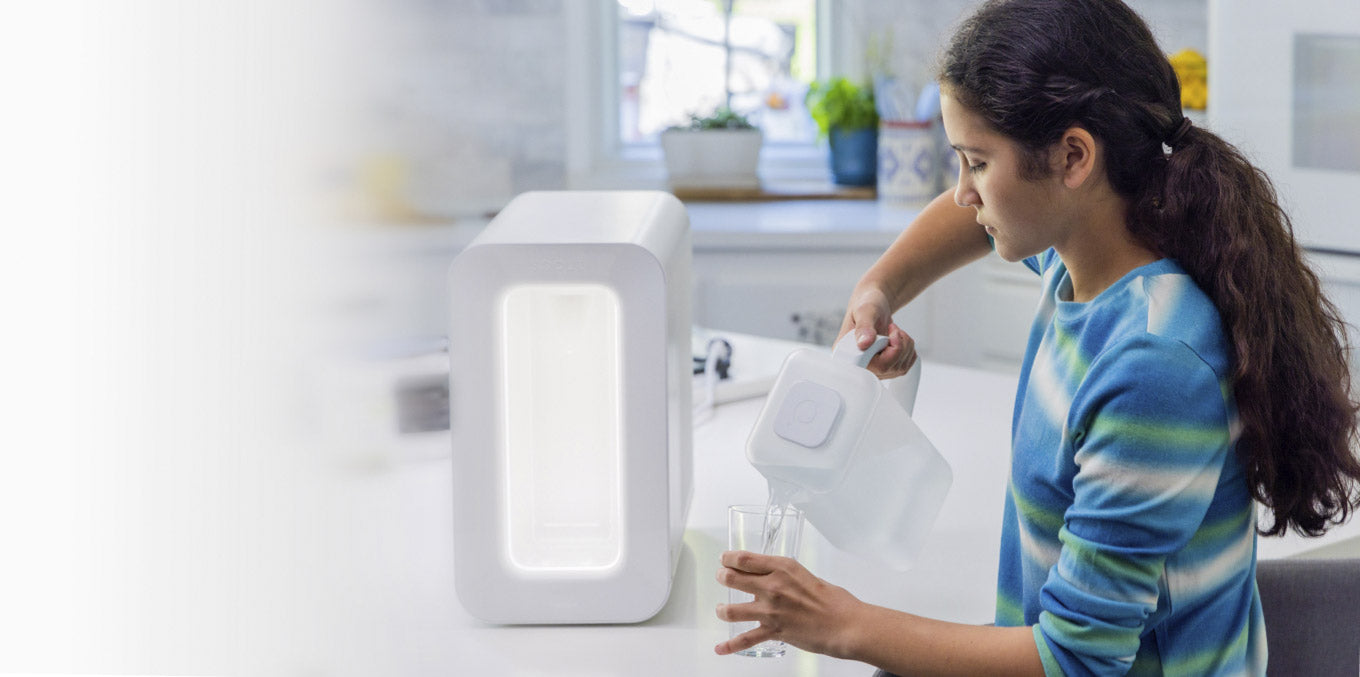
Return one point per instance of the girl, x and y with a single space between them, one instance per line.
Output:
1183 362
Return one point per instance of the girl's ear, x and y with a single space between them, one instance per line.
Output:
1075 156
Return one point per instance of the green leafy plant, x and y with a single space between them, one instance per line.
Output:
841 103
723 118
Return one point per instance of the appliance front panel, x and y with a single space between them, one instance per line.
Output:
561 451
559 394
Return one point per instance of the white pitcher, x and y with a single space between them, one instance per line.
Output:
840 444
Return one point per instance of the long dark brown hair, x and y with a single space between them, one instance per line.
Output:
1033 69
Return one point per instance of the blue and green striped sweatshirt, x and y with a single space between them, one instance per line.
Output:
1129 538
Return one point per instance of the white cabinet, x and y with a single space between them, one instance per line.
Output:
786 270
389 288
788 294
982 315
978 316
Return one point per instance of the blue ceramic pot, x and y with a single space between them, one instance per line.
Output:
854 156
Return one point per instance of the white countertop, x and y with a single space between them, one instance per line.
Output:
396 611
386 600
844 224
781 224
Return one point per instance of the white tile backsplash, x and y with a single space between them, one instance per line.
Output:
917 29
472 94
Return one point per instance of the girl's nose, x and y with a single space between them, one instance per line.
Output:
964 194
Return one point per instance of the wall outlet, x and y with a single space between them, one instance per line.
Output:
817 326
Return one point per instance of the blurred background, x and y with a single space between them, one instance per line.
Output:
228 229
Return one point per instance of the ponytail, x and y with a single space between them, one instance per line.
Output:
1219 217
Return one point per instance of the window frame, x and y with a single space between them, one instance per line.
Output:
597 159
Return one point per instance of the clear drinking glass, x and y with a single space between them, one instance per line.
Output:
761 528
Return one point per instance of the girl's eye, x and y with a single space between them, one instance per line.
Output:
977 167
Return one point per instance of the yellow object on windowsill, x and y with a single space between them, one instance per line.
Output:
1193 72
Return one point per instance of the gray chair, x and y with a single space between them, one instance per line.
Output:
1312 609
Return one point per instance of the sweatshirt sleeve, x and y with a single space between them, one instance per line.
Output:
1150 430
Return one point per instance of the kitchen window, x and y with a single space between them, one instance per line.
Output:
637 67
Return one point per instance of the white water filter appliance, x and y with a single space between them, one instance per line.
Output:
569 396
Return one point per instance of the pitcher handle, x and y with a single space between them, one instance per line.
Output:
903 388
848 349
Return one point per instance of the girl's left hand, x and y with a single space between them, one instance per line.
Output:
791 605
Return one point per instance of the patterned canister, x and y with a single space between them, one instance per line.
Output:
908 161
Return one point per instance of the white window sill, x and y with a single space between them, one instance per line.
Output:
644 168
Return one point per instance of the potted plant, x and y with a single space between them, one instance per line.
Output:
721 150
847 117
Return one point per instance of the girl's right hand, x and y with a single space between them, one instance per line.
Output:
870 315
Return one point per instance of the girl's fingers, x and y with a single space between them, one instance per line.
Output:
740 580
743 641
749 562
908 356
737 613
898 357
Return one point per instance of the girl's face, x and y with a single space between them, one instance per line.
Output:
1022 216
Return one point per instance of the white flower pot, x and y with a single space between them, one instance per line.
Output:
712 158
